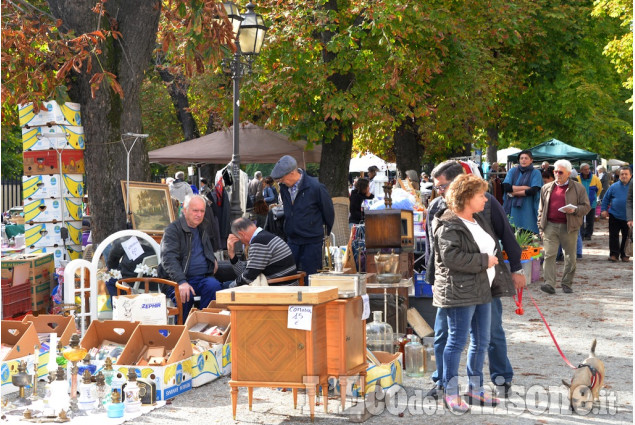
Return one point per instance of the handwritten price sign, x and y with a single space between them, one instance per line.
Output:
300 317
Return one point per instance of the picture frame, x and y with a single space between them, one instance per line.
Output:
151 207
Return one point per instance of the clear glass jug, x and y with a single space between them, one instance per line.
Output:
379 335
414 353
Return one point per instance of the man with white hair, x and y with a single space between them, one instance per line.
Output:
187 256
179 188
563 205
255 186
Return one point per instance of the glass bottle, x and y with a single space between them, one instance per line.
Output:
132 402
86 365
87 392
109 372
338 260
414 354
379 335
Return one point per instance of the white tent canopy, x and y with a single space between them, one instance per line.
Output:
502 154
361 163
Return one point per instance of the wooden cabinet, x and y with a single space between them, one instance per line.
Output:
265 353
346 342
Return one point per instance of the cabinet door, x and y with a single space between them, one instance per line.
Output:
354 334
267 350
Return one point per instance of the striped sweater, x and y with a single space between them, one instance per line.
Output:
268 254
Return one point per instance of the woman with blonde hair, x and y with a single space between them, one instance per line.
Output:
467 261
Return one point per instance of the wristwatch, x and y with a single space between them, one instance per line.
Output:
519 272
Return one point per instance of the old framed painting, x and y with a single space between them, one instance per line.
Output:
151 208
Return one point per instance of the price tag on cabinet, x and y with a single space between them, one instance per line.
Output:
300 317
366 306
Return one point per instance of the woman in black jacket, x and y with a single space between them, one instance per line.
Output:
358 195
467 262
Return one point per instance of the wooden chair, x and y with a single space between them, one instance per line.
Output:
124 285
299 277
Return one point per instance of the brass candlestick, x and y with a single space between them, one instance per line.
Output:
36 351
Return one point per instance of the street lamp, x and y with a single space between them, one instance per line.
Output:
249 33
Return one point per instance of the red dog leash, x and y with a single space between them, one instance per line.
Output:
520 311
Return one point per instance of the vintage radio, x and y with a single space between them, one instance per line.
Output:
389 228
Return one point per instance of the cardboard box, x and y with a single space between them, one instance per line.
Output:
67 113
48 186
53 137
206 366
117 331
47 162
60 253
63 326
36 269
176 376
50 210
23 337
49 234
226 359
387 374
214 319
149 309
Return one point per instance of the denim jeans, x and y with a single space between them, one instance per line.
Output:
473 321
204 286
499 365
500 369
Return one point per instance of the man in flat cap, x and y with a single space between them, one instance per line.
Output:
307 208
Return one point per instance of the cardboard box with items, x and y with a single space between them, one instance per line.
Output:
105 339
208 333
19 343
161 353
47 162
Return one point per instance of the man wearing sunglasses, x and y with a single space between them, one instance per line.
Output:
563 205
501 372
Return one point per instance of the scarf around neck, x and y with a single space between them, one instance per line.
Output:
525 180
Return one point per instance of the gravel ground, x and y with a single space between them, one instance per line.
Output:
601 307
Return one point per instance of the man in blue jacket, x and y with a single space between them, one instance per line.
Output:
307 209
614 207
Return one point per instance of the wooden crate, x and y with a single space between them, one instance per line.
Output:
276 295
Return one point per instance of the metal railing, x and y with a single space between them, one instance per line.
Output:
11 193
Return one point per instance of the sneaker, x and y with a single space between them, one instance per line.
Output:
567 289
481 398
455 403
436 392
613 259
504 390
547 288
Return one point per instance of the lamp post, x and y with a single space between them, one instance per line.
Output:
249 32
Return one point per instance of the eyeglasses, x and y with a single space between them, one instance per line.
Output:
441 188
559 172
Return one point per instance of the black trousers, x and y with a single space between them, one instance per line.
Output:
615 227
587 229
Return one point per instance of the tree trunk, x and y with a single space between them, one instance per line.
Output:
408 150
336 156
336 150
492 144
107 116
178 87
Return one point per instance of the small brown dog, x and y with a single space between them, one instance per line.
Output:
586 383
